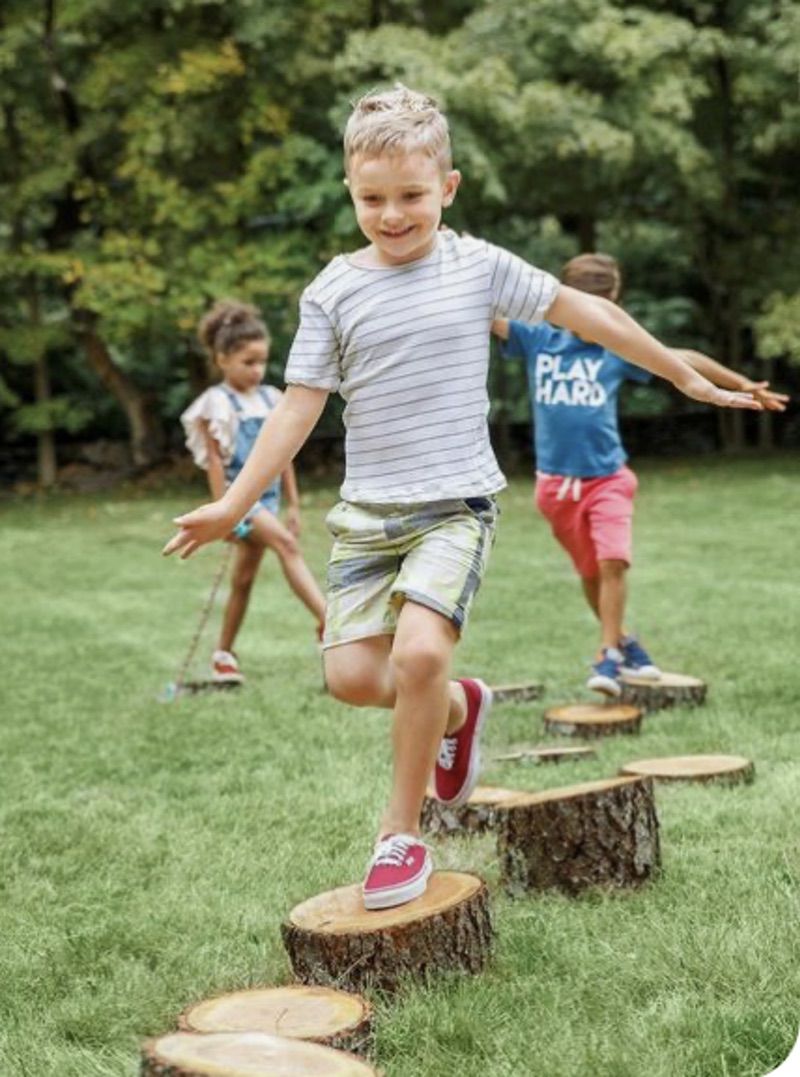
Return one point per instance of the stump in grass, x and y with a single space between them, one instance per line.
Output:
479 814
546 755
333 939
729 769
592 719
317 1014
245 1054
585 835
517 693
670 690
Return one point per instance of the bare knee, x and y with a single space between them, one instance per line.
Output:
286 546
612 569
419 660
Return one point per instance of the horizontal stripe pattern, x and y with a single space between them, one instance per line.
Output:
408 349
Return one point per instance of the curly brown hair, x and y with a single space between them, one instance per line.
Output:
230 324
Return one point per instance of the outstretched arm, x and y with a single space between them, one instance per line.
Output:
280 438
289 480
729 379
605 323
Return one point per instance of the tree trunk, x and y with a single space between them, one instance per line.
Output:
146 434
47 467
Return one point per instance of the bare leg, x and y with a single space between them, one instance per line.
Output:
591 591
245 569
421 659
268 530
611 601
362 674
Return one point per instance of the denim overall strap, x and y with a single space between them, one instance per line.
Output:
246 434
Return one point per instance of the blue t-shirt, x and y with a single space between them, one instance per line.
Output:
573 388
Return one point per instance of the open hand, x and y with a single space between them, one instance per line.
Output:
699 388
206 524
764 395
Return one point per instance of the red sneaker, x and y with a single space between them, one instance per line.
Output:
459 762
225 668
397 873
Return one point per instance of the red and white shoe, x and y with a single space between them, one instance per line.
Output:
459 763
397 873
225 668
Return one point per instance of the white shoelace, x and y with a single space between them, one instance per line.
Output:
394 849
447 752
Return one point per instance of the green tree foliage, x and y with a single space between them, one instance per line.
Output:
157 155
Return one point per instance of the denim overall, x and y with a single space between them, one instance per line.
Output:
246 435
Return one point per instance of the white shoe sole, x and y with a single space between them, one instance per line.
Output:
607 685
399 895
645 673
474 770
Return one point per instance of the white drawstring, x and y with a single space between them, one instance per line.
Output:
563 490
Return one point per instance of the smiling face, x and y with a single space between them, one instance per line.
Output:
398 200
245 366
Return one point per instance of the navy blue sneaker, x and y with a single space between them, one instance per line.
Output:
636 660
606 673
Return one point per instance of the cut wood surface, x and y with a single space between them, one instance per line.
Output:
477 815
670 690
333 939
603 832
546 755
319 1014
517 693
695 768
593 719
245 1054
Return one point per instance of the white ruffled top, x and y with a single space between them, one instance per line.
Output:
213 407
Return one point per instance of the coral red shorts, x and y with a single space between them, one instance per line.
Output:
591 518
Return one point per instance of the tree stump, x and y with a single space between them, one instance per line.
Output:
479 814
729 769
316 1014
593 719
517 693
546 755
597 833
670 690
245 1054
333 939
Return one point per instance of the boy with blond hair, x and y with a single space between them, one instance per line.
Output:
400 329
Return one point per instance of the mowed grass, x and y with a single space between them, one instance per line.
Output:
150 851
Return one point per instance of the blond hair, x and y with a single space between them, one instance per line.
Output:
397 121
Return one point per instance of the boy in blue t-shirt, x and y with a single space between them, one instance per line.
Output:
583 487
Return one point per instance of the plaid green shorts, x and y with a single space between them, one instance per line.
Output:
434 554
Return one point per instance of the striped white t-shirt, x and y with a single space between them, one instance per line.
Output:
408 348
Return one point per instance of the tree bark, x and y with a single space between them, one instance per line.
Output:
670 690
598 833
146 434
333 939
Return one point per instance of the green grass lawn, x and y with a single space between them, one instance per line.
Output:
150 851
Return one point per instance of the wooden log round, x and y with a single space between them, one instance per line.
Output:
245 1054
593 719
670 690
517 693
333 939
596 833
300 1012
562 754
476 816
728 769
